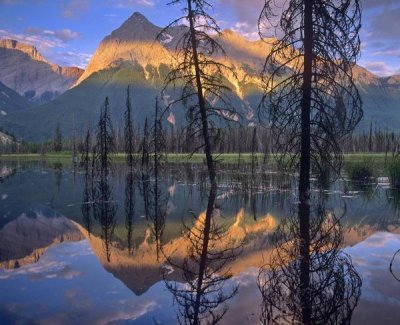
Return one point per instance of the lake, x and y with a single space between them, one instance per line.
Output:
132 248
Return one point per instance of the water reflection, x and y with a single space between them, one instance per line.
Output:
393 198
58 170
394 265
129 209
131 250
204 269
309 279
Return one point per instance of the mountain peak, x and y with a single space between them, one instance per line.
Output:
30 50
136 28
138 16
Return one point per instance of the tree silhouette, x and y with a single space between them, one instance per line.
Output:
317 285
104 206
129 209
87 203
203 296
310 94
128 132
206 97
204 92
57 143
157 202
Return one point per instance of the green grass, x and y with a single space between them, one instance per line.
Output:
65 157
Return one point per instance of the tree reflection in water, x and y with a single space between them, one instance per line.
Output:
86 165
129 208
204 270
309 279
104 212
395 257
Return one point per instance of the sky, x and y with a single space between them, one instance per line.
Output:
67 32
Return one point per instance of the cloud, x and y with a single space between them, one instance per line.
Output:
246 11
246 30
64 35
73 58
47 41
131 3
42 42
380 68
388 52
74 8
386 24
381 24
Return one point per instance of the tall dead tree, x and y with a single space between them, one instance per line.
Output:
310 95
206 97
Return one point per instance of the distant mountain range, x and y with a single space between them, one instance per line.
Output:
24 70
131 55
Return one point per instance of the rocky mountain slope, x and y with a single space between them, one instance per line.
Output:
10 101
23 69
131 55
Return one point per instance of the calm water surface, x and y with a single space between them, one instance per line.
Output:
138 257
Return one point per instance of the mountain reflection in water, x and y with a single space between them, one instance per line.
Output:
149 267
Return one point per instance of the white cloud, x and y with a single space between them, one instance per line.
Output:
73 58
47 41
42 42
248 31
131 3
379 68
64 35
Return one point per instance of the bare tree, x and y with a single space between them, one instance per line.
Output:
203 296
200 76
206 97
333 286
310 95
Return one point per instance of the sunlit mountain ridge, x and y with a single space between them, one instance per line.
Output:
133 55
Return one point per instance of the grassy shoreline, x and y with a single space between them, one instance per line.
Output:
65 157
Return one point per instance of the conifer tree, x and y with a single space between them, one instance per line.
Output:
57 143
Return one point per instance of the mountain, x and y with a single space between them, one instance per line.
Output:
23 69
26 238
131 55
10 101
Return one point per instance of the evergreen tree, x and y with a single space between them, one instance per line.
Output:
57 143
104 207
128 132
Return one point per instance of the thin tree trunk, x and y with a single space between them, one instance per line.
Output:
305 159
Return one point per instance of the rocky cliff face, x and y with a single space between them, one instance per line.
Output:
133 42
23 69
